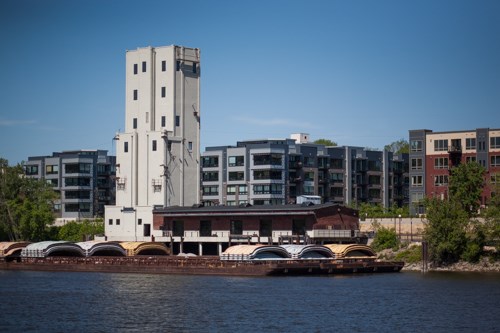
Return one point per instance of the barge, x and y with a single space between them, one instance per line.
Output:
201 265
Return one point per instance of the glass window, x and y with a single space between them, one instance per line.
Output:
178 65
266 174
163 121
163 91
470 159
416 164
164 66
231 189
416 145
470 143
31 169
51 169
236 227
237 175
210 176
416 181
205 228
441 163
495 161
190 145
110 221
135 69
134 123
235 161
242 189
441 180
495 142
194 67
211 190
417 197
266 228
125 147
144 67
135 94
440 145
154 145
177 120
210 161
178 228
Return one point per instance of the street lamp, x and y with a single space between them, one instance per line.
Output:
399 225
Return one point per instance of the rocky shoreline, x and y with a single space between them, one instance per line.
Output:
483 266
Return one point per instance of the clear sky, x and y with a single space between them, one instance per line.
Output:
360 73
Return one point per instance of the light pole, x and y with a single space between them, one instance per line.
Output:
399 225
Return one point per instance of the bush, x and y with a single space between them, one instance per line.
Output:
411 255
385 239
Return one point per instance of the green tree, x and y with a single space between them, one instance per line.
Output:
398 147
466 185
80 231
26 204
492 215
446 230
385 238
325 142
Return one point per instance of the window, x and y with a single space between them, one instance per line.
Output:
139 221
416 145
298 227
237 175
110 221
336 163
163 66
154 145
210 161
190 145
163 121
268 189
236 227
205 228
242 189
265 174
416 181
53 182
441 163
470 143
125 147
266 228
235 161
470 159
336 177
267 159
495 178
178 65
117 221
374 180
210 176
417 197
163 92
231 189
495 161
77 168
441 180
146 231
144 67
76 181
135 94
51 169
211 190
177 120
440 145
416 164
178 228
135 69
495 142
31 169
194 68
134 123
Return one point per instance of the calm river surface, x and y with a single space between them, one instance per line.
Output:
103 302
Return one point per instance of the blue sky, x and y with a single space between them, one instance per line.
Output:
360 73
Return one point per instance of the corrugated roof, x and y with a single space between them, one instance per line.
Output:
298 251
46 248
258 251
9 248
138 248
352 250
92 247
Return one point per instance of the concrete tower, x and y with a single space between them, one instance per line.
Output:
158 153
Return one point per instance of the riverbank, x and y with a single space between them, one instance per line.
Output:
484 265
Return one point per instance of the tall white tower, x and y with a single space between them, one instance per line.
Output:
158 154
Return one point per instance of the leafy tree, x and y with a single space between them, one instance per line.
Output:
398 147
466 185
492 216
25 204
445 231
325 142
77 232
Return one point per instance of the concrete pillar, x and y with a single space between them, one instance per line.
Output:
200 248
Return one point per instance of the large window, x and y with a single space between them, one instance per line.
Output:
417 197
440 145
242 189
205 228
470 143
416 164
416 145
231 189
441 163
416 181
495 142
336 163
441 180
298 227
268 189
267 159
374 180
211 190
236 175
235 161
178 228
267 174
77 168
336 177
210 161
76 181
77 194
51 169
31 170
495 161
210 176
236 227
266 228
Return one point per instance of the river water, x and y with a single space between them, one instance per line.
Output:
105 302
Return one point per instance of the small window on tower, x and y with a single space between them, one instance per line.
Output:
194 67
163 121
178 65
163 91
190 146
144 67
135 95
135 123
135 69
177 120
163 66
154 145
125 147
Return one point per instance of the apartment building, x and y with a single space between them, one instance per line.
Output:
277 171
433 154
85 180
158 152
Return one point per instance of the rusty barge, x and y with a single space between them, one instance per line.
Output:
202 265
